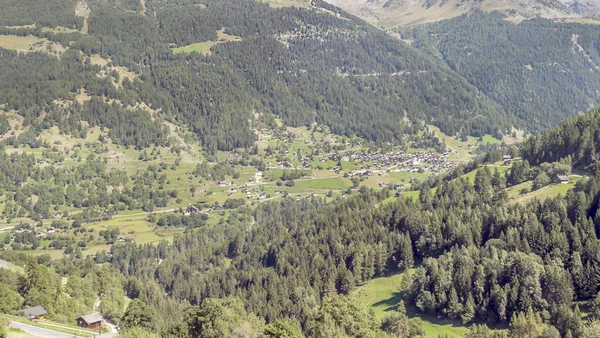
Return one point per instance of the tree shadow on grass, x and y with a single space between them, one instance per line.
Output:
391 304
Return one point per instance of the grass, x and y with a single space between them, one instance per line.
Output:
461 151
285 3
18 333
411 194
471 175
18 43
383 294
204 47
549 191
324 183
200 47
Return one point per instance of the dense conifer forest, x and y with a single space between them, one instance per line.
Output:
538 70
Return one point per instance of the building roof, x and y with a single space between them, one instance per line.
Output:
563 177
92 318
35 311
3 264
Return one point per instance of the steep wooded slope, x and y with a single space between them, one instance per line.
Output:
540 71
303 65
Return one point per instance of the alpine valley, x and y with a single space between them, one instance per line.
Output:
291 168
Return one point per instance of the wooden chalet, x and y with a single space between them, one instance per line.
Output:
36 313
91 321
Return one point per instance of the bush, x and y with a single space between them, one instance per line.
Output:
541 180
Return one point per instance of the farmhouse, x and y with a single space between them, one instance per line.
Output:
507 159
191 209
92 321
563 179
35 313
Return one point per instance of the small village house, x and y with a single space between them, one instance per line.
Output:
563 179
507 159
36 313
91 321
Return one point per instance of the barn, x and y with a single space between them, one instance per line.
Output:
35 313
92 321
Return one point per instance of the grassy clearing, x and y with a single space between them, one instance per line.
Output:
204 47
18 43
462 151
411 194
18 333
324 183
501 168
514 192
382 294
285 3
549 191
200 47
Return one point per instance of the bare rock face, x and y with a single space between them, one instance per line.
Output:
389 13
82 9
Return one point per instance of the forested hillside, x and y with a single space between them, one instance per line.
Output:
235 168
302 65
540 71
480 259
575 138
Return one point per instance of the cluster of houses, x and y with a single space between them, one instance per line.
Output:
403 161
38 314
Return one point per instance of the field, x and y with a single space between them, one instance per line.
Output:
286 3
17 333
459 150
18 43
549 191
501 168
204 47
381 294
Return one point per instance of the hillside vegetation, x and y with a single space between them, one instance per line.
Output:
539 71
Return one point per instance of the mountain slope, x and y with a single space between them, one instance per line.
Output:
540 71
389 13
303 65
587 8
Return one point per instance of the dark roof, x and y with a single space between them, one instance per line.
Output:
3 264
35 311
91 319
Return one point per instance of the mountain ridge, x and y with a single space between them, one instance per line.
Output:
390 13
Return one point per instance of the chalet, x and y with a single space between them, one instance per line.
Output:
223 183
563 179
93 321
35 313
3 264
507 159
51 230
121 239
191 210
58 214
